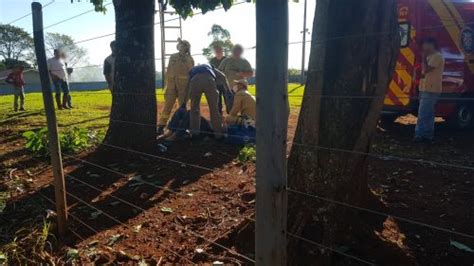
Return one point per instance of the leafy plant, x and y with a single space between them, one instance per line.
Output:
72 140
30 246
248 153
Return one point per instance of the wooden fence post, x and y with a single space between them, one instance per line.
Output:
272 123
54 148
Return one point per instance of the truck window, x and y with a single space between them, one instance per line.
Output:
404 34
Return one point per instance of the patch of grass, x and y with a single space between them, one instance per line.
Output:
91 109
248 153
29 246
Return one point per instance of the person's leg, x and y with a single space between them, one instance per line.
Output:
219 103
170 99
195 112
66 94
57 90
182 89
15 99
22 99
212 96
426 115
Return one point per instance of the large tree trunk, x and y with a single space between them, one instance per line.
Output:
133 114
353 53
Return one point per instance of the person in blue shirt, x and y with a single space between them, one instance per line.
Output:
202 79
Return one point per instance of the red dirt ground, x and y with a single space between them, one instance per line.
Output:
178 210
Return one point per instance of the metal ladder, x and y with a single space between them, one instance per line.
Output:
165 15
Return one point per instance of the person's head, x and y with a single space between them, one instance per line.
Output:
18 68
237 51
57 53
218 51
62 54
429 46
112 47
240 84
184 47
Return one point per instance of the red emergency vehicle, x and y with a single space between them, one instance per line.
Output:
451 23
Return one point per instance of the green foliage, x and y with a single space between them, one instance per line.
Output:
74 53
11 63
29 246
294 72
72 140
15 43
220 38
248 153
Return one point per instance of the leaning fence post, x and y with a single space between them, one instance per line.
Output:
272 123
53 138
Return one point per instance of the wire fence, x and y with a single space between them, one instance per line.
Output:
191 166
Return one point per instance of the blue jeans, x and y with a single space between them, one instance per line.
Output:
426 115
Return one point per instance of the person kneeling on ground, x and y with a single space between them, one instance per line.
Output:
244 108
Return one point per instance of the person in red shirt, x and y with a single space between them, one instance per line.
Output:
16 79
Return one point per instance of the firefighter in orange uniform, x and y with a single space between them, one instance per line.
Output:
177 77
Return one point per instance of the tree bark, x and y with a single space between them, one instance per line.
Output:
353 53
134 111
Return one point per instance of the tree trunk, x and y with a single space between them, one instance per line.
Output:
353 53
133 114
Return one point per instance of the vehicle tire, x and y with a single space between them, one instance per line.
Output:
463 117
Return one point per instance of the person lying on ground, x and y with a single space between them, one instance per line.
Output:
178 126
244 108
16 79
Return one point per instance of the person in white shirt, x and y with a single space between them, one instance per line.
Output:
58 72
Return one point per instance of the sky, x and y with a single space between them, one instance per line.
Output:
239 21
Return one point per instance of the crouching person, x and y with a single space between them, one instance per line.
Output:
205 79
244 107
241 120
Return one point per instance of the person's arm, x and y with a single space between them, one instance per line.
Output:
433 64
223 64
237 106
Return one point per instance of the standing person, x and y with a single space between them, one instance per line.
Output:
109 67
215 62
205 79
236 67
16 79
430 89
218 56
57 70
176 81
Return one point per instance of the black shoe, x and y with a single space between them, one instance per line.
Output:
160 130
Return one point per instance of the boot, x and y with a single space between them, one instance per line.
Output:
68 102
65 100
58 101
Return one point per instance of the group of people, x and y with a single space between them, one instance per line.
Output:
223 81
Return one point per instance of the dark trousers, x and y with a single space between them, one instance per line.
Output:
180 122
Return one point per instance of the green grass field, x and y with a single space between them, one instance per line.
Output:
91 109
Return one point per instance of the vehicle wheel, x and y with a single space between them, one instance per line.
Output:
463 117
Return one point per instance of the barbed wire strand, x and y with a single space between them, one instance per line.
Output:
123 224
174 223
381 214
291 190
323 246
28 14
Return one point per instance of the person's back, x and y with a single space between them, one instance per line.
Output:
433 80
233 67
